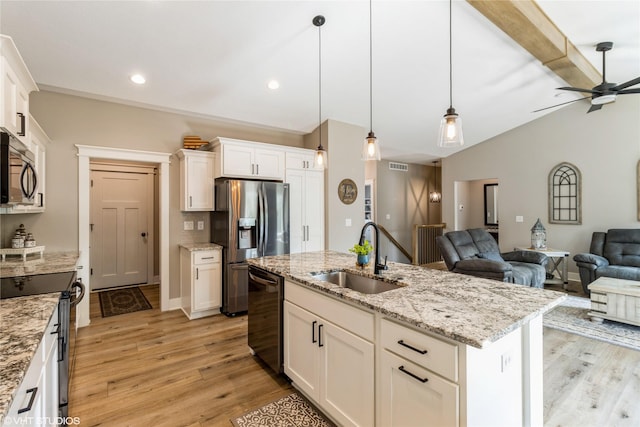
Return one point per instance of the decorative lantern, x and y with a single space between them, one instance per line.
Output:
538 236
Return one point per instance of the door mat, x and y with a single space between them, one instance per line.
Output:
289 411
122 301
571 316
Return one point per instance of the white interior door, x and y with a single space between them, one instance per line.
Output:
120 206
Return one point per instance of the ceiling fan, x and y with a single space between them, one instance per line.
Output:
605 92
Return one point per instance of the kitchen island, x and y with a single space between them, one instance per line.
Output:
476 342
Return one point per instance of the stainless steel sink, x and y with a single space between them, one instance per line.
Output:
362 284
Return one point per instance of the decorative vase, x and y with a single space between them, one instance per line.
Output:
363 259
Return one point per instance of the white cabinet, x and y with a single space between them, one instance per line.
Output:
301 159
196 180
331 362
412 391
15 85
306 203
36 399
246 159
201 282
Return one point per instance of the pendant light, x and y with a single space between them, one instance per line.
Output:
435 196
370 148
451 124
321 153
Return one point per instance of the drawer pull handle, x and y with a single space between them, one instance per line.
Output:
404 344
207 257
412 375
33 392
313 332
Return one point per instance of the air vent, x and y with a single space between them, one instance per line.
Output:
402 167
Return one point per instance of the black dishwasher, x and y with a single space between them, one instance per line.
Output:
266 295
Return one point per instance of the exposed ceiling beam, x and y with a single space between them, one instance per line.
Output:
526 23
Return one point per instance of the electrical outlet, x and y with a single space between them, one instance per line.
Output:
188 225
200 225
347 222
505 362
519 218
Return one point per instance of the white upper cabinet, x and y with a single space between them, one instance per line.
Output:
196 180
246 159
15 85
302 159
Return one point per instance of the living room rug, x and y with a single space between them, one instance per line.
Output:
288 411
122 301
571 316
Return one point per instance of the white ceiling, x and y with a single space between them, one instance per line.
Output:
214 59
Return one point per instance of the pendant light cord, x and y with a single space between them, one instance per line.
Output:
450 58
320 84
370 68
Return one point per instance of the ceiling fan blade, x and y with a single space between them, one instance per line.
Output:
627 84
577 89
625 91
595 108
557 105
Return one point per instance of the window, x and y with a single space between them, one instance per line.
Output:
565 195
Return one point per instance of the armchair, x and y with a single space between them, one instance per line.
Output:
615 253
476 253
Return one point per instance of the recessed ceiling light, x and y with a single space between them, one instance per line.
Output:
138 79
273 85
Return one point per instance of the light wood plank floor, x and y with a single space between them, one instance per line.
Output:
153 368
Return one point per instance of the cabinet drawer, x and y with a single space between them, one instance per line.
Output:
206 257
344 315
421 349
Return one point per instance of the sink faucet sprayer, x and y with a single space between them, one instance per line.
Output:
378 267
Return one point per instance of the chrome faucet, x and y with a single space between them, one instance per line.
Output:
378 267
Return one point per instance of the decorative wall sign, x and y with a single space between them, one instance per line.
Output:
347 191
565 194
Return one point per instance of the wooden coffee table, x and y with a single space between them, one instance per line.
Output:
615 299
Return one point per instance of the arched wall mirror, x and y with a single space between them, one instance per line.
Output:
491 204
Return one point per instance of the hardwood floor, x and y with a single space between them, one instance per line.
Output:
153 368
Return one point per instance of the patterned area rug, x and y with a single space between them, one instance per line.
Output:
572 317
122 301
289 411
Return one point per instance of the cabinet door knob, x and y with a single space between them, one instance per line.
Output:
143 234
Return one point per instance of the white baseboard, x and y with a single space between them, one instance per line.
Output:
175 304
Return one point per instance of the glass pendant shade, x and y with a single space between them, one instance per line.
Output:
450 130
370 149
321 157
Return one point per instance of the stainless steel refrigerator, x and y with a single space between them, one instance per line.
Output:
251 220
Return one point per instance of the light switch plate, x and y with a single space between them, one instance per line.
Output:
347 222
188 225
519 218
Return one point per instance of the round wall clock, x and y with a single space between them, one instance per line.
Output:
347 191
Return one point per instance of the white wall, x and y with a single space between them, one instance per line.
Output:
604 145
344 146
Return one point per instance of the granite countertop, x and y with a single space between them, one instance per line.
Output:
205 246
467 309
23 321
53 262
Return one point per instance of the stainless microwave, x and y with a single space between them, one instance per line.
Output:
18 180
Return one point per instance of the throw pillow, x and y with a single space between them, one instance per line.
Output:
493 256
